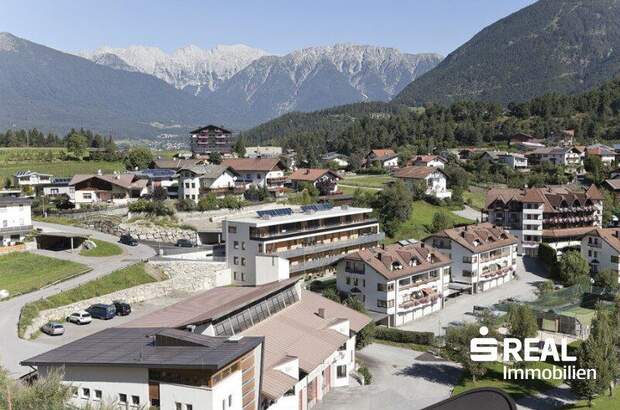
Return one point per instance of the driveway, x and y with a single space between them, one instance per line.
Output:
459 309
469 213
402 378
12 348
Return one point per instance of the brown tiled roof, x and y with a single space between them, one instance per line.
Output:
415 172
551 196
122 180
253 164
479 238
383 153
610 235
613 183
383 259
563 233
175 163
594 193
311 174
276 383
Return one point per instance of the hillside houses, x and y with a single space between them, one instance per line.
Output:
381 158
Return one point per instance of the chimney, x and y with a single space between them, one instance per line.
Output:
321 313
379 256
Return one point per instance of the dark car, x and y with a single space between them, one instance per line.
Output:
122 308
185 243
128 240
102 311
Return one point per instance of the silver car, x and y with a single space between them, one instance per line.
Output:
53 329
80 318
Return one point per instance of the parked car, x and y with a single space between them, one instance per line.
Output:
122 308
80 318
184 243
53 329
128 240
102 311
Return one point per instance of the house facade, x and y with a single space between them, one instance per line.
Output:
200 180
209 139
260 172
434 161
569 157
382 158
15 220
483 256
514 160
30 180
606 154
402 282
601 248
434 179
321 178
283 242
99 189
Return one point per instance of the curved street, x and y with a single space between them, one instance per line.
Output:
12 348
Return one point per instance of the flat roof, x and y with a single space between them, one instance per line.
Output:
299 216
148 347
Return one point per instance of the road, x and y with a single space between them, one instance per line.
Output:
12 348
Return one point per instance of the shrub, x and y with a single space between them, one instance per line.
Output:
404 336
185 205
547 255
366 375
208 203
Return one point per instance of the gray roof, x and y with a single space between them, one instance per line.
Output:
148 347
210 171
14 200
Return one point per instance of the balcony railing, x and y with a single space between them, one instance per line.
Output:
419 303
308 250
16 229
496 273
316 228
315 263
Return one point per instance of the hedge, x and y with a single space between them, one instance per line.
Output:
404 336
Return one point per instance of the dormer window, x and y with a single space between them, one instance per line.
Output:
477 242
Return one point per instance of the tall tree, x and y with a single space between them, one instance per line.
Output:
573 268
457 348
393 206
138 158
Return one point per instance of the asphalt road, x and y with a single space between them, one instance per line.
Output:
12 348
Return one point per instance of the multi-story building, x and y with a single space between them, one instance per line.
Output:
260 172
161 178
434 179
210 139
280 242
31 180
59 186
309 346
601 248
15 219
557 215
402 282
136 368
483 256
199 180
569 157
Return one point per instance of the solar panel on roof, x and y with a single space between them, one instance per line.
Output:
275 212
317 207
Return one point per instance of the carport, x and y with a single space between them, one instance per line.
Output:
60 241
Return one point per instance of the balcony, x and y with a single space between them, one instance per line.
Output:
420 302
417 283
309 250
258 235
315 263
278 180
16 229
496 273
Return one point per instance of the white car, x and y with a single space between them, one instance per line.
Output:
80 318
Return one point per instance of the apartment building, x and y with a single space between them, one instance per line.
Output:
31 180
15 219
434 179
144 367
278 243
260 172
557 215
404 283
199 180
309 341
569 157
601 248
160 178
483 256
209 139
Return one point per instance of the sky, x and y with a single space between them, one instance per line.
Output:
277 26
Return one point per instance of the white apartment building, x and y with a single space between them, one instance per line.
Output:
309 346
136 368
260 172
280 242
483 256
570 157
199 180
434 179
601 248
31 179
403 282
15 220
557 215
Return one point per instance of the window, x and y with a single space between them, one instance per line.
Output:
189 407
341 371
348 280
235 275
236 260
243 245
381 303
236 245
98 395
243 276
404 282
86 393
242 261
232 229
390 286
74 391
380 287
224 404
135 400
87 196
178 406
122 398
467 274
615 259
355 282
229 400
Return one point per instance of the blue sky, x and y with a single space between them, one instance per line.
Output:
276 26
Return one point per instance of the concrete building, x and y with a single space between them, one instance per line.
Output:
557 215
260 172
434 179
135 368
30 180
279 243
99 189
601 248
59 186
323 179
382 158
199 180
483 256
15 220
211 138
403 283
263 152
309 341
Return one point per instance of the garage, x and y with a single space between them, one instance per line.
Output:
60 241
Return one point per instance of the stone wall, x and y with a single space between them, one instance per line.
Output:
183 276
142 231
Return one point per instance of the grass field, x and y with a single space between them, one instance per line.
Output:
103 249
25 272
516 389
371 181
60 220
128 277
60 168
420 219
604 402
475 198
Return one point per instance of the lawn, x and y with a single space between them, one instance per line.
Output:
515 388
370 181
103 249
128 277
475 198
60 168
420 219
25 272
60 220
350 190
603 402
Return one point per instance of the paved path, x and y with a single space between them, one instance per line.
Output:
469 213
555 398
12 348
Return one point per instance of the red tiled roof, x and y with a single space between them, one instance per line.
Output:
122 180
415 172
383 153
311 174
253 164
479 238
